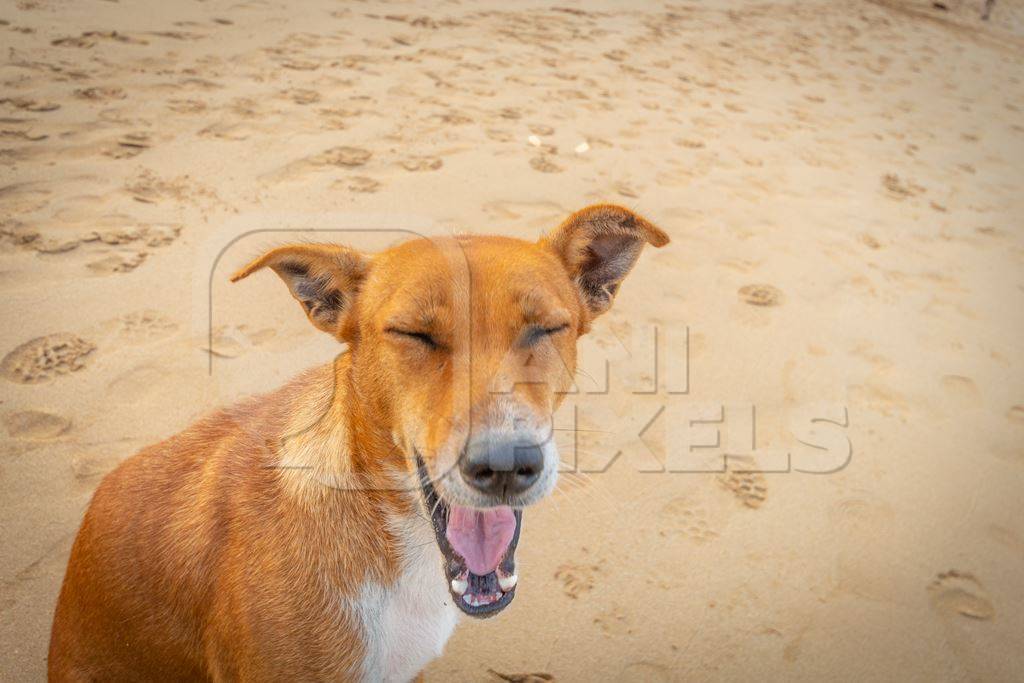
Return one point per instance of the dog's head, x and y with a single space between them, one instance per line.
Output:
462 348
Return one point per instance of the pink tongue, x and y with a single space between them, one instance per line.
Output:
481 537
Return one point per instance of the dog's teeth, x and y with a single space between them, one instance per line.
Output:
459 586
507 583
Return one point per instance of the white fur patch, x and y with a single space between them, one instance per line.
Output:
407 624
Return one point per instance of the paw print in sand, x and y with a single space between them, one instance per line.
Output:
760 295
959 593
577 578
749 486
681 518
44 358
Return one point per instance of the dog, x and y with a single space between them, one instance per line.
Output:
336 528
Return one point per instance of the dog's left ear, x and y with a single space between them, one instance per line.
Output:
324 278
599 246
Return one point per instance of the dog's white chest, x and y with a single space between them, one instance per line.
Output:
406 625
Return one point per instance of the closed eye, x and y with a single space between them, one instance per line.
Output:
422 337
535 333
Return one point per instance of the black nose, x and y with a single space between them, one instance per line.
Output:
501 466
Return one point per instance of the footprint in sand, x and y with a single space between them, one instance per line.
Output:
300 65
149 188
337 117
35 425
177 35
577 578
869 241
689 143
23 198
154 235
9 134
195 83
89 39
26 104
614 622
897 188
683 518
453 118
128 146
880 398
749 487
760 295
123 261
88 468
741 265
100 94
626 190
960 386
499 135
44 358
545 165
231 131
537 677
510 113
340 157
141 327
416 164
361 184
301 95
54 245
187 106
960 593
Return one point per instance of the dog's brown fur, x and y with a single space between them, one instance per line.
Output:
223 552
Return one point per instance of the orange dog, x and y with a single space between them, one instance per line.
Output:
333 529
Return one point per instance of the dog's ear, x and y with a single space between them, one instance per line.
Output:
324 278
598 246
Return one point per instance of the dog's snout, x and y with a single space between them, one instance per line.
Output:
502 467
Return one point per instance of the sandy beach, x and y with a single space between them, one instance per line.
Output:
842 183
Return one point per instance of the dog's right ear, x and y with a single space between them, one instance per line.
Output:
599 246
324 278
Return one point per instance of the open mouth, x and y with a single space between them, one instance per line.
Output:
478 547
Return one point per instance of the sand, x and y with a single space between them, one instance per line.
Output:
842 185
